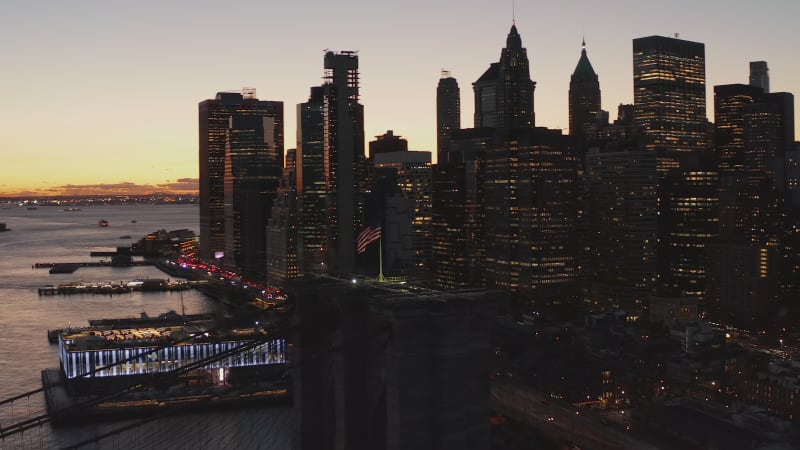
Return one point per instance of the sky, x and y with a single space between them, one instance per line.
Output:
101 96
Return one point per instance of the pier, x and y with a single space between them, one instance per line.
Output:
146 285
69 267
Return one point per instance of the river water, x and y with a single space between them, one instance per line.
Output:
52 234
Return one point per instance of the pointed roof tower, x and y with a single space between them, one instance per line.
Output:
584 98
584 67
514 41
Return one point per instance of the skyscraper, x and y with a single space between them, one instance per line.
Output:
621 227
387 143
414 179
214 122
457 224
504 93
448 114
729 103
311 186
688 221
669 92
529 206
584 99
282 233
759 75
343 158
252 173
670 107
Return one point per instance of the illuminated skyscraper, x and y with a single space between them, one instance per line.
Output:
343 158
529 206
311 186
448 114
584 99
282 233
214 123
729 103
414 179
669 92
504 93
457 225
688 222
252 174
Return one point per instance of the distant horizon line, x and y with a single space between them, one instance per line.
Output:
45 195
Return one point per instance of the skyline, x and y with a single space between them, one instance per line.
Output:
111 95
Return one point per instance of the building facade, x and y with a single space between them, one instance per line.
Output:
252 174
504 93
448 114
415 180
345 178
669 92
311 184
214 123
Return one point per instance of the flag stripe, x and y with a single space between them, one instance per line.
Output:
366 237
362 245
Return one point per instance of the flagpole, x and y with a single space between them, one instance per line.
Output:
381 278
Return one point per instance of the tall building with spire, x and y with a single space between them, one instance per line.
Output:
448 114
504 93
584 98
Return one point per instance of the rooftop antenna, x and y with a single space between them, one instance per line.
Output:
677 35
513 12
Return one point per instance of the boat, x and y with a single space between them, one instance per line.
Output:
31 208
102 223
72 209
125 237
133 221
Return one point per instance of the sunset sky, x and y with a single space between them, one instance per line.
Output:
102 96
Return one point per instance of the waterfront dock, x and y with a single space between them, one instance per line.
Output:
66 408
146 285
70 267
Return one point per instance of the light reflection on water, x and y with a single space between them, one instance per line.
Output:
50 234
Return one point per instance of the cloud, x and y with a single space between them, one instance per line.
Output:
180 186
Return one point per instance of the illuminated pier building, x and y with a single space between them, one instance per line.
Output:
141 351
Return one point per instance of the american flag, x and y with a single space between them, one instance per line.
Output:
366 237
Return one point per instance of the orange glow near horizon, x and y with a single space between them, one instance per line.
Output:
104 97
